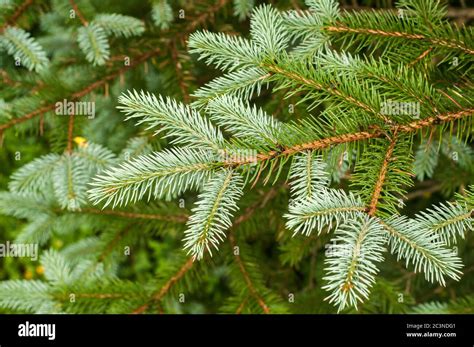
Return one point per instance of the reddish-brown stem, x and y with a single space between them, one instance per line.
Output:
11 21
167 286
132 215
374 132
381 178
179 71
241 265
396 34
79 13
246 276
70 134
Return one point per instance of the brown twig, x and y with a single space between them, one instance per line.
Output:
132 215
453 12
70 134
79 13
420 57
328 89
241 265
167 286
246 276
381 178
374 132
179 71
11 21
397 34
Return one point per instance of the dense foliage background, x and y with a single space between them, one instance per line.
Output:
141 243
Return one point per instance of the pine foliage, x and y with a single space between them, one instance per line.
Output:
325 129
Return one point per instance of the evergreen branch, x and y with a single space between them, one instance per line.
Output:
35 176
133 215
85 91
206 227
158 296
70 182
267 30
240 83
162 14
120 25
309 82
246 277
224 51
374 132
324 209
177 120
160 174
307 176
426 159
248 123
401 35
30 296
422 248
242 8
93 42
22 46
446 221
351 269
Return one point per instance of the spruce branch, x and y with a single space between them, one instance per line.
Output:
447 221
351 270
211 216
242 8
325 209
422 248
35 176
162 14
84 91
160 175
120 25
307 176
93 42
242 268
241 83
158 296
21 45
226 52
177 120
267 30
250 124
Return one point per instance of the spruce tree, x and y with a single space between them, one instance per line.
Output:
237 156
